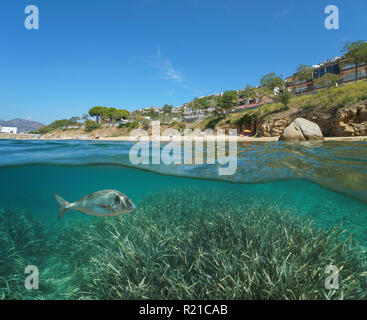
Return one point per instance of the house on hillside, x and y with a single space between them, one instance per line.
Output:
194 115
177 110
337 65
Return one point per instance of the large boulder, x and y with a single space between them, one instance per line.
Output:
302 130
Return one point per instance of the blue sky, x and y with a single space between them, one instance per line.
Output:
139 53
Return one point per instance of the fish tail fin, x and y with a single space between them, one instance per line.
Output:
64 205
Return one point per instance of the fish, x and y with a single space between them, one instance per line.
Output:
105 203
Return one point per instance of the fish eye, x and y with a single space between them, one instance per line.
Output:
117 200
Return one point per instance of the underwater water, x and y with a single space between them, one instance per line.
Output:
262 233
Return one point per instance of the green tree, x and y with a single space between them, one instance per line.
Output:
74 119
97 112
133 125
248 93
145 124
202 103
271 81
283 96
247 120
263 92
122 114
152 114
228 100
328 81
55 125
211 122
257 93
91 125
167 109
303 73
356 53
110 114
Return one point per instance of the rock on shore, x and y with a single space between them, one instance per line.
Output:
302 130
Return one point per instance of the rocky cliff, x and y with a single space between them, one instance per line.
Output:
338 122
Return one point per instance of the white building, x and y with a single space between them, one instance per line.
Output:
8 129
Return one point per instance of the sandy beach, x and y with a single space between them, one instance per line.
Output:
190 138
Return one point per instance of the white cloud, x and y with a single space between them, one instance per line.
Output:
166 71
281 13
164 66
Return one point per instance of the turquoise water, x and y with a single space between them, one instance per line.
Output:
323 182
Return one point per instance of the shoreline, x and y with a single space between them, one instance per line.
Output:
176 138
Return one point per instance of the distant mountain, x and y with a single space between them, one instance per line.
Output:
21 124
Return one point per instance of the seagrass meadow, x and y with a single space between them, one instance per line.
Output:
267 233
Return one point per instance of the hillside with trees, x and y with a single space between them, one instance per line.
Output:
270 99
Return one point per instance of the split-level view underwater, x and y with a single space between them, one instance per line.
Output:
270 231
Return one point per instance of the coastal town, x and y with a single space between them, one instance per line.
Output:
295 84
246 110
